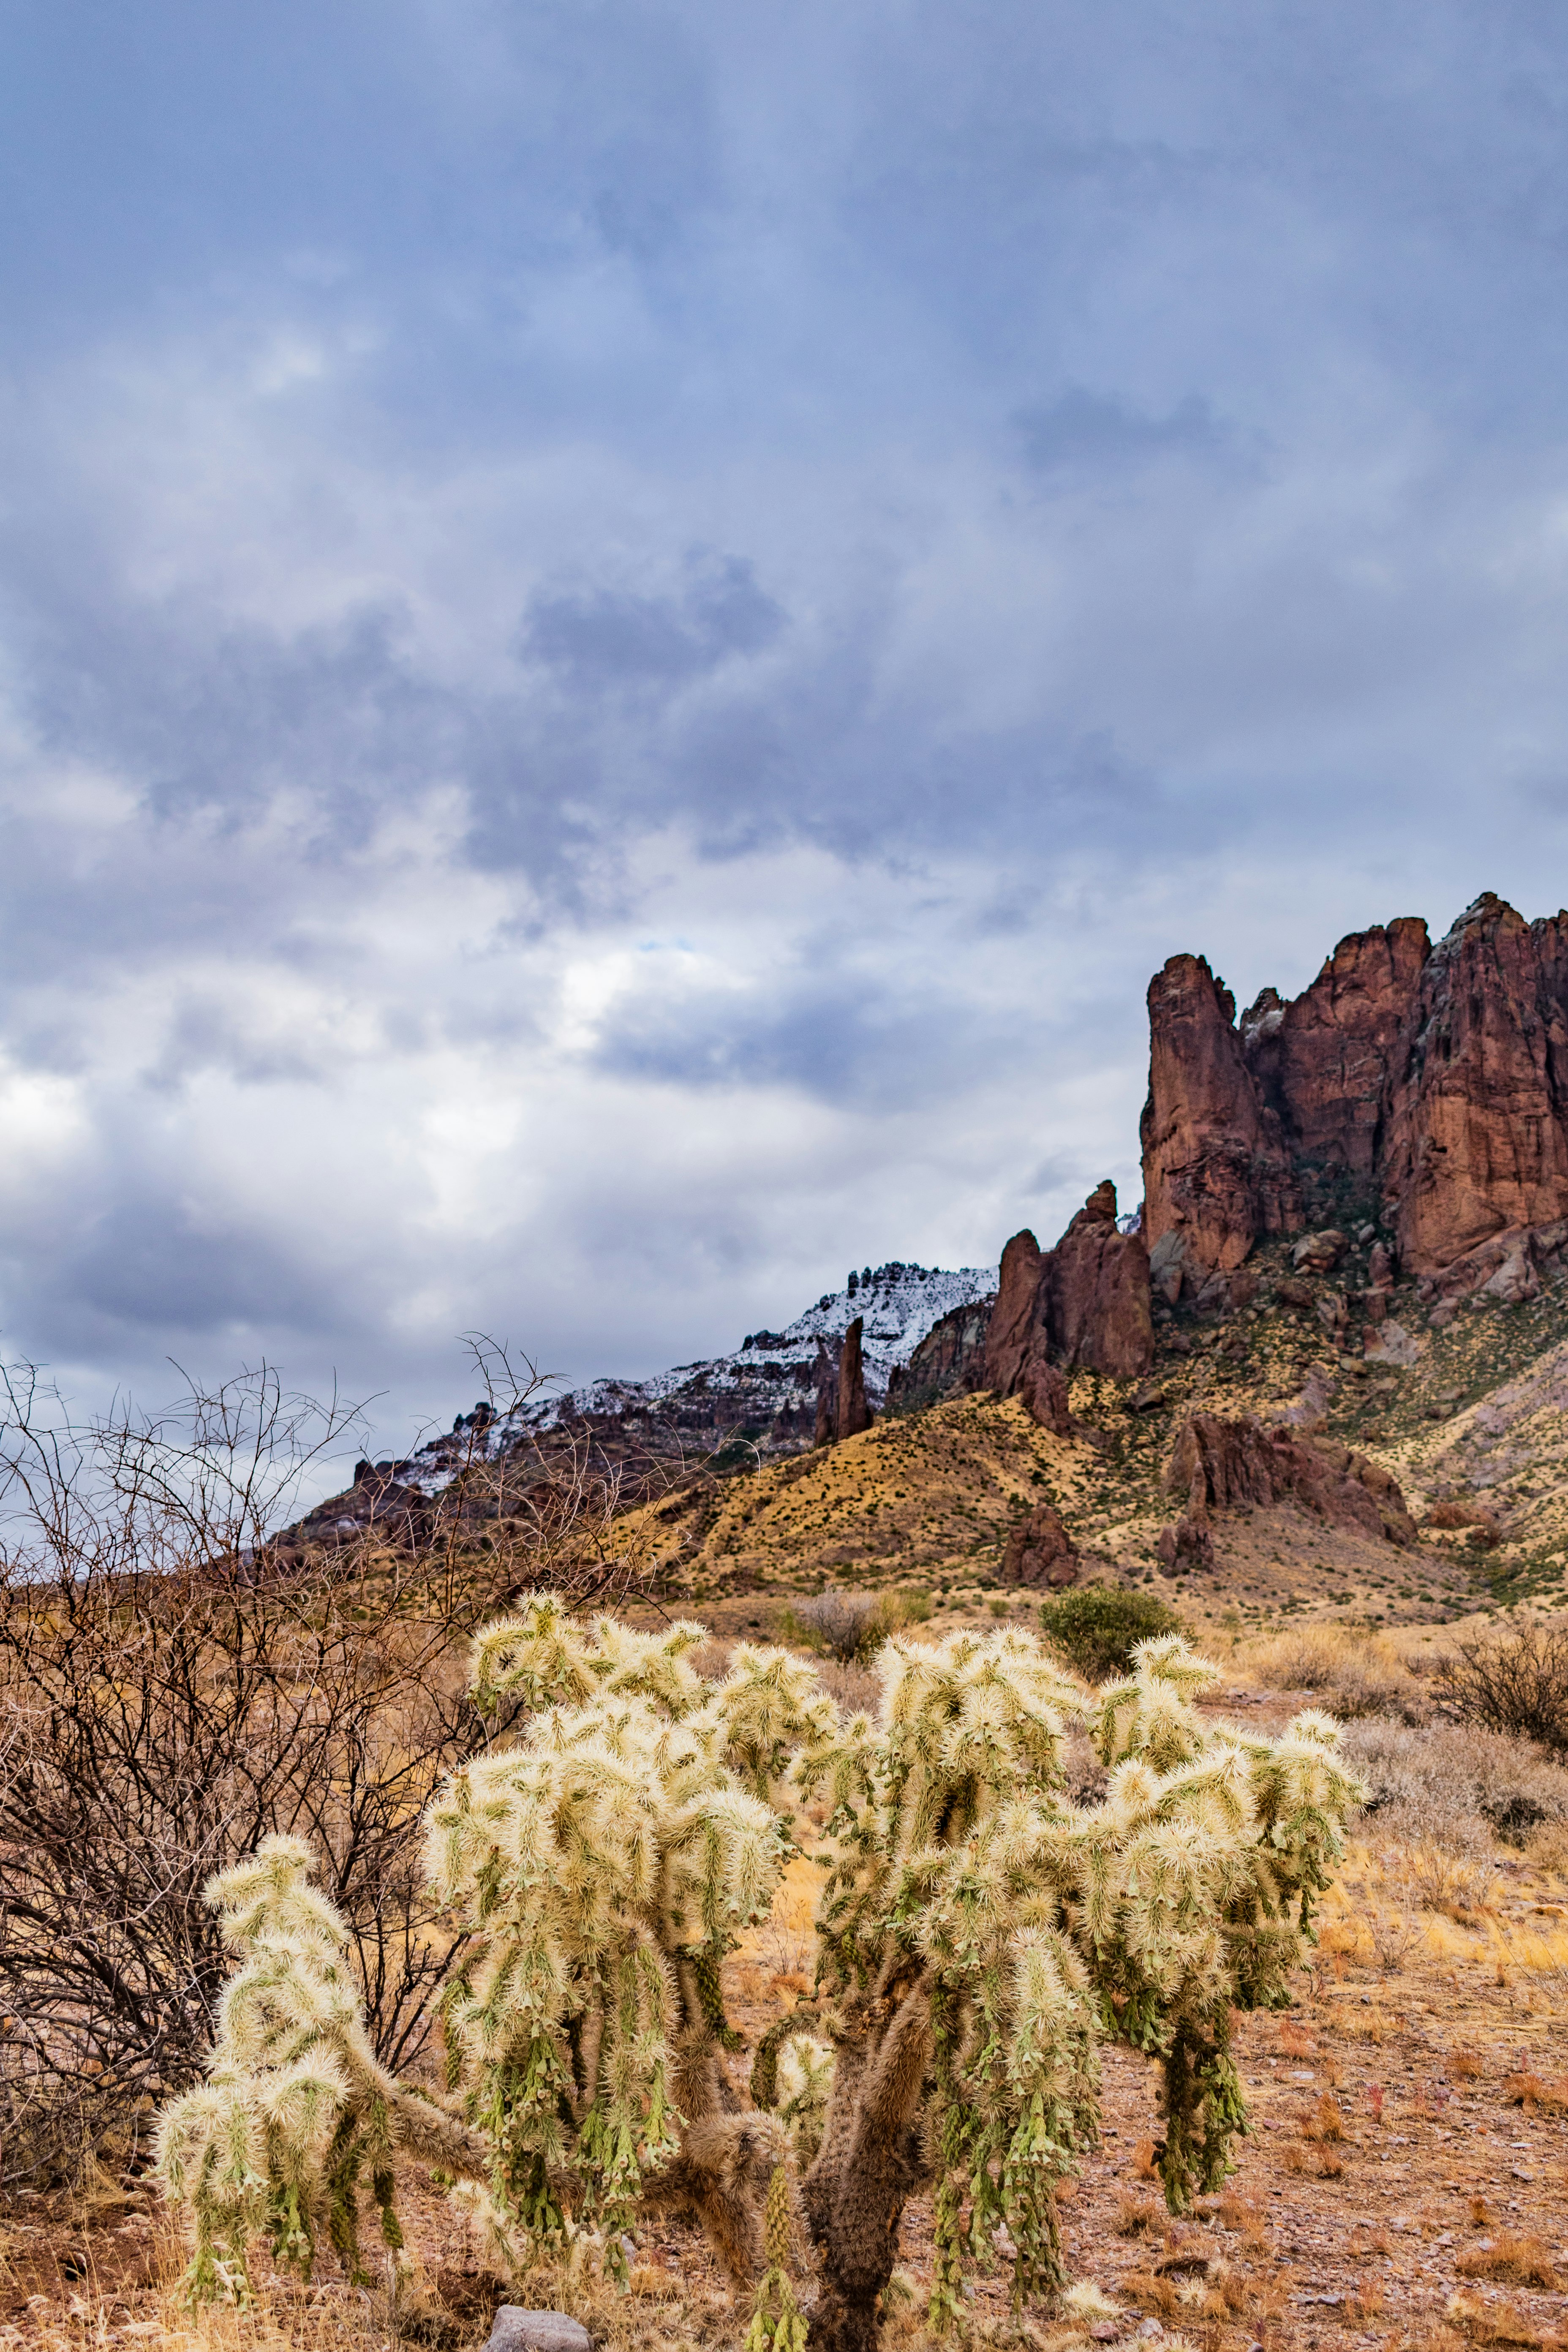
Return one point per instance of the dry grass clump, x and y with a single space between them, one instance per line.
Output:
1137 2217
1354 1678
1517 2257
1437 1780
1498 2323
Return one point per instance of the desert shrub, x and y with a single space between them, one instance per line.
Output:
1354 1678
172 1695
1514 1682
851 1627
1098 1627
977 1937
1455 1785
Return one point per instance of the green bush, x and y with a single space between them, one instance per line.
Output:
1098 1628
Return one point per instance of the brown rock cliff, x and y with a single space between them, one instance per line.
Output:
1428 1085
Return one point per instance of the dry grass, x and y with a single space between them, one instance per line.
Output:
1351 1675
1517 2257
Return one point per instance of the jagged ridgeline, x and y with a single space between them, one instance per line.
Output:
1356 1202
978 1937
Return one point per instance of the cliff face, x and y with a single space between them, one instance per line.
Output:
1426 1086
1215 1170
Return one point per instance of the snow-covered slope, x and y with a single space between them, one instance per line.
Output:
897 1303
764 1390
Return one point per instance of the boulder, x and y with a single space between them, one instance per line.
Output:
1185 1543
1039 1550
1380 1267
1515 1281
1390 1343
1042 1391
517 2330
1484 1533
1318 1252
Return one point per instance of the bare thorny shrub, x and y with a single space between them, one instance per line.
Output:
1514 1682
172 1695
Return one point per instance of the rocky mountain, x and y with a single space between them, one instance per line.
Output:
1421 1088
1324 1367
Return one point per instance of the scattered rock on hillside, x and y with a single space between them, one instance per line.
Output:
1039 1550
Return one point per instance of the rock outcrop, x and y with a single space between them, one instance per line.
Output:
1084 1306
1013 1334
950 1358
853 1415
1426 1088
1215 1170
1095 1294
1039 1550
1477 1118
1218 1465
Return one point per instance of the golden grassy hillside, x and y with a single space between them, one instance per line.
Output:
926 1499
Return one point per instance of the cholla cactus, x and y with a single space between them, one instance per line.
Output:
979 1935
601 1869
296 2107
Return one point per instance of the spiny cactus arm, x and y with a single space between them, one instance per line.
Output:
1150 1715
652 1666
777 2323
212 2155
296 2102
537 1652
771 1709
542 1654
846 1762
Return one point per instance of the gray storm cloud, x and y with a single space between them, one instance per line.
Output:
625 634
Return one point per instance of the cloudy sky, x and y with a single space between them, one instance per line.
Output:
628 627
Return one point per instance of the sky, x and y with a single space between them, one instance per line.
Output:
626 630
